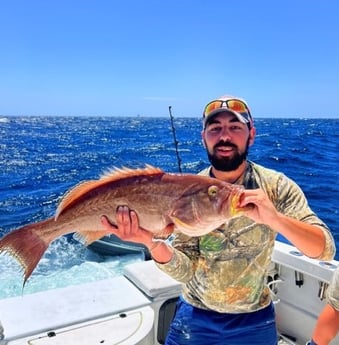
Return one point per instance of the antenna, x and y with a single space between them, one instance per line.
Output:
175 139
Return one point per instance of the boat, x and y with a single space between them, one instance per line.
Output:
137 307
112 245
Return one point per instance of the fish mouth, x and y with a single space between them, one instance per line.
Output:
229 204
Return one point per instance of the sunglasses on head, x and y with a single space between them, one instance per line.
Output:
230 104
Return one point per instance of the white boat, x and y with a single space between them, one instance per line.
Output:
136 308
112 245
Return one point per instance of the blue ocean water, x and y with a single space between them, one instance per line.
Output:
42 157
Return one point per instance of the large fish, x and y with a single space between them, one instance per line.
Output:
191 204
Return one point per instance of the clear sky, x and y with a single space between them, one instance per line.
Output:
137 57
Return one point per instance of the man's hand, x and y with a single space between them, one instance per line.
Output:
308 238
262 210
127 227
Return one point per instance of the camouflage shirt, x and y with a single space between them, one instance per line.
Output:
225 270
332 292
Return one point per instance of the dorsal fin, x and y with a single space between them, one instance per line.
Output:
115 174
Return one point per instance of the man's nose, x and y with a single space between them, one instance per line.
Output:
225 134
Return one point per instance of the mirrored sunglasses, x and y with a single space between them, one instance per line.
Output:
231 104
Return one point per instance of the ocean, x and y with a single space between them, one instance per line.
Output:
42 157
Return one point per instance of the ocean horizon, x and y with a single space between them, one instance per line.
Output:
5 118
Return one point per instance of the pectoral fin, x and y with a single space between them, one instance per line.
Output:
165 233
182 226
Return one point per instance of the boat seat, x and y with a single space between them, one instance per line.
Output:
49 310
130 328
152 281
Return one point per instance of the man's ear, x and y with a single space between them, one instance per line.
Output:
203 138
253 132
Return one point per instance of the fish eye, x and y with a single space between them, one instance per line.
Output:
212 191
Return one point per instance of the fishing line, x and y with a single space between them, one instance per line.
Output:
175 140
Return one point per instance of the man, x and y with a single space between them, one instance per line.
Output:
225 299
327 326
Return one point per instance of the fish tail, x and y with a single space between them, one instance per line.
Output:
27 245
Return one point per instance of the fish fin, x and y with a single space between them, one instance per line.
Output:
116 174
26 246
113 175
73 195
88 237
181 226
165 233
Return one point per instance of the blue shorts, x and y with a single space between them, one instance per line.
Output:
196 326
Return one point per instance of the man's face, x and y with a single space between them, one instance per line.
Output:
227 141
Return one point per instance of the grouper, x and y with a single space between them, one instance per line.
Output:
164 202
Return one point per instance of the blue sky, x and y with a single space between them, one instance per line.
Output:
137 57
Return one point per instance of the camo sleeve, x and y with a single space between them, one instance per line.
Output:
181 266
290 200
333 290
293 203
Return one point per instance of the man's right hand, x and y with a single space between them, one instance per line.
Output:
128 229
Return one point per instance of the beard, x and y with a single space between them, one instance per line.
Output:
227 163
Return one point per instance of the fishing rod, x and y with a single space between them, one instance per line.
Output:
175 140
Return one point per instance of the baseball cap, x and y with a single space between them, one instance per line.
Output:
234 105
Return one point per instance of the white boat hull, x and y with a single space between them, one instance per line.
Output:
136 308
